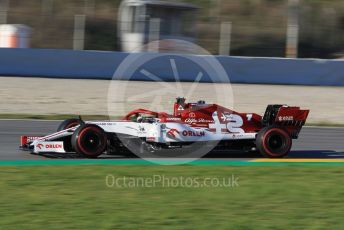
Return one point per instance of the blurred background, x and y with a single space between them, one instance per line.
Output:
65 37
269 28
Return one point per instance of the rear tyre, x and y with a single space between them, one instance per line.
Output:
69 123
273 142
89 140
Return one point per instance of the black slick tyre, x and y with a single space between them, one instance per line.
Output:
69 123
89 140
273 142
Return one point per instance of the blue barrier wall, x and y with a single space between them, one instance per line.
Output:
102 65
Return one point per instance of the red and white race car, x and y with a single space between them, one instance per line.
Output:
191 123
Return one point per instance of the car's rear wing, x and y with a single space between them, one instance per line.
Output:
284 115
292 118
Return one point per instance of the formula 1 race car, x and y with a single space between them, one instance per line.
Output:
190 123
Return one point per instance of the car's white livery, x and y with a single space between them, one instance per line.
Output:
190 123
48 146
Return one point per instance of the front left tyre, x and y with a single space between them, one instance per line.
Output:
89 140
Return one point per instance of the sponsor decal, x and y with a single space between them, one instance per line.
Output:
237 135
28 139
199 120
173 119
223 117
188 133
172 133
192 115
285 118
31 139
40 146
104 123
51 146
180 108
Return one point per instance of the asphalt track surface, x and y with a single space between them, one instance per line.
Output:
314 142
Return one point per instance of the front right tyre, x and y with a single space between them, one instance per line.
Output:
89 140
69 123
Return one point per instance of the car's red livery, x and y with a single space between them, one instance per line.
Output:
270 134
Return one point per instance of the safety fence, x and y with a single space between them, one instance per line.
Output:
102 65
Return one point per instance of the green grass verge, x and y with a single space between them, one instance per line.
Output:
66 197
